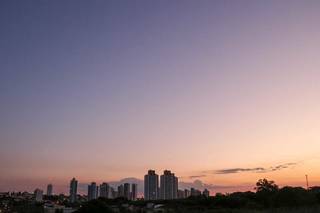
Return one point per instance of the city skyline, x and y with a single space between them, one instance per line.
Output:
223 93
153 187
167 189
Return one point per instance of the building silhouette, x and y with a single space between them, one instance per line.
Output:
181 194
38 194
195 192
206 193
187 193
113 193
151 185
73 190
49 190
168 186
92 191
134 191
105 190
126 190
120 191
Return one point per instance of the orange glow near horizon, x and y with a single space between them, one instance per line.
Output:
106 92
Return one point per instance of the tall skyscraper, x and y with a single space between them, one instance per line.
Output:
92 191
175 187
73 190
120 191
134 191
49 190
113 193
151 185
38 194
168 186
105 190
126 189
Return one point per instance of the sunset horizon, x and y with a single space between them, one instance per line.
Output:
221 93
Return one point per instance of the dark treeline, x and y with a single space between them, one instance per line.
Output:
267 195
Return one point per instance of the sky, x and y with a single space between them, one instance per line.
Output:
221 92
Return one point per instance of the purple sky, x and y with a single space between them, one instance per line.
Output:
103 90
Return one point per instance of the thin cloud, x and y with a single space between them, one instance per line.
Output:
283 166
198 184
197 176
254 170
238 170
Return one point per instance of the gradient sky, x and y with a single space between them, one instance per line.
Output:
103 90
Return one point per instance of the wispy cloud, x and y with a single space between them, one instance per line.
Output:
197 176
237 170
254 170
283 166
198 184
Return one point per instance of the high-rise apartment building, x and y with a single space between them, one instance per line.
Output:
105 190
126 190
134 191
113 193
73 190
151 186
38 194
120 191
92 191
168 186
49 190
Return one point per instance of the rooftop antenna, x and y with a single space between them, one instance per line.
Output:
307 181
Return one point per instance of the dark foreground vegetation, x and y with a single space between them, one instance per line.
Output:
267 198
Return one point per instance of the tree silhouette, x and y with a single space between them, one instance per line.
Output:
266 190
263 185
